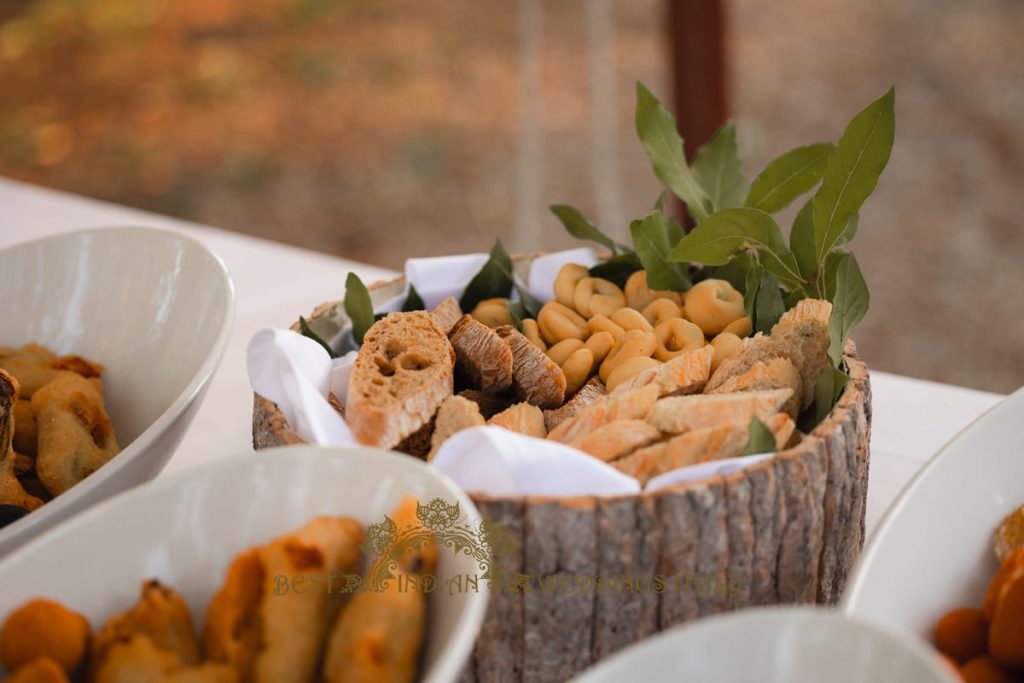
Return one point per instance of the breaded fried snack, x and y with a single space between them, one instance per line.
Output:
161 615
43 628
40 670
11 490
378 635
32 364
270 619
139 660
75 437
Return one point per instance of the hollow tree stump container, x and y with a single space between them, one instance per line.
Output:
786 530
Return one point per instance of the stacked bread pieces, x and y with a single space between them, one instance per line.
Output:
439 373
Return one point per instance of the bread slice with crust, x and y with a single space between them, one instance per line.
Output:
524 418
454 415
482 355
404 370
446 314
629 405
801 335
697 446
685 374
591 392
535 377
776 373
678 414
616 439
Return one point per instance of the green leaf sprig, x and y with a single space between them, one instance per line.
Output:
307 331
761 438
358 307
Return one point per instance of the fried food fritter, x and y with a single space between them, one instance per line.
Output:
32 364
11 491
25 433
377 637
40 670
75 437
294 607
43 628
379 633
231 633
139 660
161 615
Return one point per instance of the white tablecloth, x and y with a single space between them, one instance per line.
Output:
274 283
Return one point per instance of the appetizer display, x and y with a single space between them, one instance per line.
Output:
286 611
54 427
986 645
675 350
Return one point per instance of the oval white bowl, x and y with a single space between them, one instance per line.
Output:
185 530
154 307
933 551
774 645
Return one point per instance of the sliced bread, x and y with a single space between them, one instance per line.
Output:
483 356
591 392
678 414
403 372
454 415
535 377
524 418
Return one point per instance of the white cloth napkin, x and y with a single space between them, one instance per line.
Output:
295 373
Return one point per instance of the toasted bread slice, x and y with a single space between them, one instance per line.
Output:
447 314
535 377
417 444
616 439
489 404
678 414
629 405
591 392
454 415
482 355
685 374
801 335
697 446
403 372
777 373
524 418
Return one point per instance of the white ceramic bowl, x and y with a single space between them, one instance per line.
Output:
775 645
154 307
933 551
185 530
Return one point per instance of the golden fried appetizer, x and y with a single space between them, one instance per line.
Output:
11 491
139 660
32 364
280 629
231 632
24 427
75 437
43 628
40 670
378 635
161 615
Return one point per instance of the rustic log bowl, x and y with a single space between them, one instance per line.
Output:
786 530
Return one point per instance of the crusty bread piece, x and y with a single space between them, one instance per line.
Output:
697 446
591 392
524 418
535 377
801 335
403 372
454 415
629 405
616 439
678 414
447 314
417 444
489 404
776 373
685 374
482 355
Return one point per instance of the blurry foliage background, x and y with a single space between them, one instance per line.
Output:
380 130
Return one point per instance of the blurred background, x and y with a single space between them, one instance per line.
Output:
379 130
